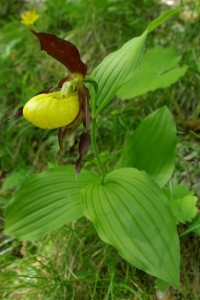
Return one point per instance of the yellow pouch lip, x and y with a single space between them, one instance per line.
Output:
51 110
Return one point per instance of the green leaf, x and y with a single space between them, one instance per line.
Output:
14 179
131 212
45 202
117 68
152 146
158 70
120 66
182 202
162 18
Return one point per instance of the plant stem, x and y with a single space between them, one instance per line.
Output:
95 147
93 125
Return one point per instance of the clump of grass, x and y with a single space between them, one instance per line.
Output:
72 263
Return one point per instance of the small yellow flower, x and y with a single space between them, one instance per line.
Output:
29 17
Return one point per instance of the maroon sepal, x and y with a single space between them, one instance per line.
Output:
63 51
62 131
56 87
78 165
86 108
17 115
60 84
83 147
49 90
84 142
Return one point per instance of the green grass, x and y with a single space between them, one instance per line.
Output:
73 263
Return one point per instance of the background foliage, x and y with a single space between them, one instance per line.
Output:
72 262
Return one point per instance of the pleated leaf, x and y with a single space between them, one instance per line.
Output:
120 66
151 147
117 68
131 212
45 202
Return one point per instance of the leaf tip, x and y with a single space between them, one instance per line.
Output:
162 18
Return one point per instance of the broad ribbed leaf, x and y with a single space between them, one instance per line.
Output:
117 68
132 213
152 146
45 202
159 69
120 66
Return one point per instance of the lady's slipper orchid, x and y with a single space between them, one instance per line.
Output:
66 105
51 110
